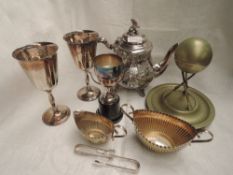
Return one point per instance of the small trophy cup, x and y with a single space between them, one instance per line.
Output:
39 62
82 45
109 70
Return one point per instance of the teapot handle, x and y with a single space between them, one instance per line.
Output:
159 68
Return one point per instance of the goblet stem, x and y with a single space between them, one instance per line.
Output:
90 74
52 101
87 80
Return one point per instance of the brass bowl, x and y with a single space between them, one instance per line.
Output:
96 128
163 133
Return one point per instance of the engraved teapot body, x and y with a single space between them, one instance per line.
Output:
135 51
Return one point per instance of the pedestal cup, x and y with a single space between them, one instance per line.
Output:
109 70
82 45
39 62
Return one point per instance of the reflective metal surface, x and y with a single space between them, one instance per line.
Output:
82 45
200 115
163 133
39 62
135 50
109 70
193 55
96 128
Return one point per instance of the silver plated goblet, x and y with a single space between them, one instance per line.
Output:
39 62
82 45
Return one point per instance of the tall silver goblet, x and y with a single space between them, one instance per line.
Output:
82 45
39 62
109 70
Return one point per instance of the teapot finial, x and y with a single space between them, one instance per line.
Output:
133 28
134 23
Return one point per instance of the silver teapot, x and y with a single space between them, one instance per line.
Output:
135 51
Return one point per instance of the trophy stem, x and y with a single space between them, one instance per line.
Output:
52 101
109 90
110 94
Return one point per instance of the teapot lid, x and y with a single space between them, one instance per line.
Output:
133 41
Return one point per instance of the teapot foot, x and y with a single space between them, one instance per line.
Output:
141 92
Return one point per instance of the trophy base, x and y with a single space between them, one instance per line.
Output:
110 111
52 119
89 93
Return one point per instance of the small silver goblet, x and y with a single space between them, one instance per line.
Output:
39 62
82 45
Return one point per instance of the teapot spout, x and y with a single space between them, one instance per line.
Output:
159 68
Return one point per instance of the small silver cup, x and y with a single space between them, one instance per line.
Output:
109 70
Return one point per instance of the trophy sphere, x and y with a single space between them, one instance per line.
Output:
193 55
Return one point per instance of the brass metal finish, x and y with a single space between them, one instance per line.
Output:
96 128
110 155
39 62
202 110
193 55
82 45
162 132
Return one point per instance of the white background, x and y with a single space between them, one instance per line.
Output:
27 146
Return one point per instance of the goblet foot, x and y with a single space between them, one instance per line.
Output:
89 93
52 118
